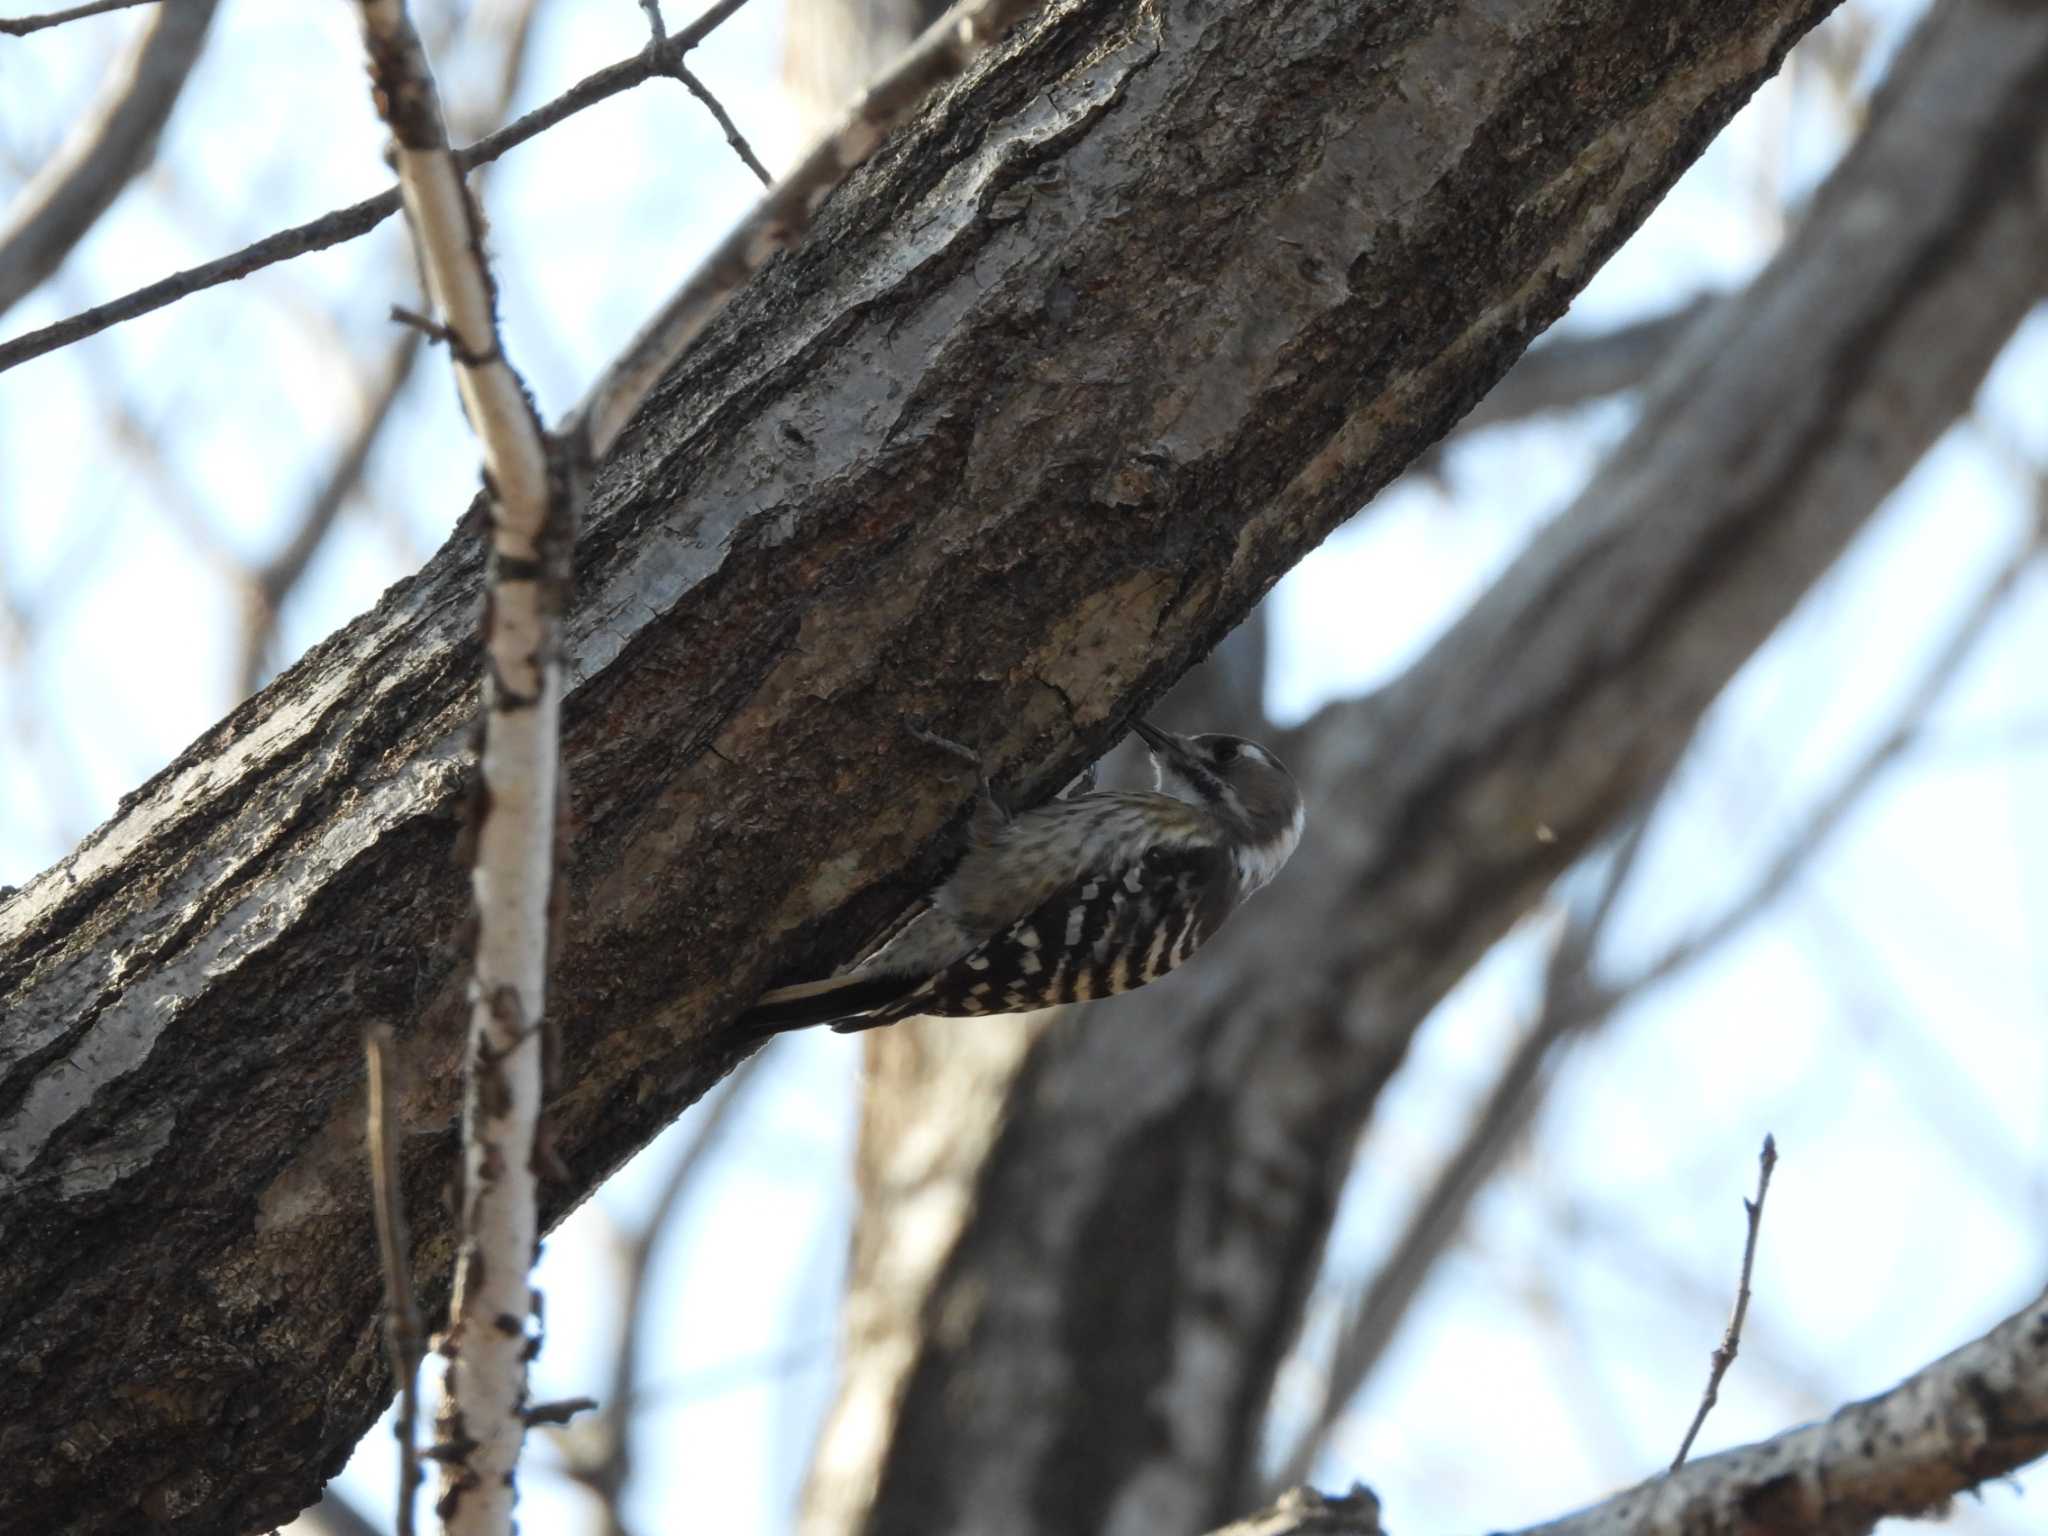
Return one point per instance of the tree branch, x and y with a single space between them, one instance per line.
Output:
1972 1416
1571 1003
1575 1002
697 88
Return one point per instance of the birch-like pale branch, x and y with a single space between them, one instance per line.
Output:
941 52
533 511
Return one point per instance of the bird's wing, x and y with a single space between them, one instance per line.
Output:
1103 932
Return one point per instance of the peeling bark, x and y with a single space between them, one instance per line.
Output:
1068 376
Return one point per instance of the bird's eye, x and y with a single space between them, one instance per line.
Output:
1226 751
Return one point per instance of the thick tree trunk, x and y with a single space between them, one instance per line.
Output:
1072 1325
1059 388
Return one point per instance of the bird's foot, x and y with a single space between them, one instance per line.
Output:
916 726
990 813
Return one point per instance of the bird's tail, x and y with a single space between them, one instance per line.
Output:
836 999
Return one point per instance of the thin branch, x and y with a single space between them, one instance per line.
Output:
403 1333
940 53
111 144
533 496
658 35
733 136
560 1411
358 219
1731 1341
1975 1415
21 26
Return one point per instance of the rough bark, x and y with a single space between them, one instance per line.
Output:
1090 1345
1066 379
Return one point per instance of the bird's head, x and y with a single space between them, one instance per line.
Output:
1244 784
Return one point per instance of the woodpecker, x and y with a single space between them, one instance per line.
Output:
1082 898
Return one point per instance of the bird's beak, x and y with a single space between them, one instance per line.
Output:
1157 740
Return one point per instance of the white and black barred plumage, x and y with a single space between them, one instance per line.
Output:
1078 899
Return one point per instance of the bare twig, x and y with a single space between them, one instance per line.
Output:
733 136
359 218
534 496
672 64
110 145
403 1334
1731 1341
427 328
941 52
21 26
